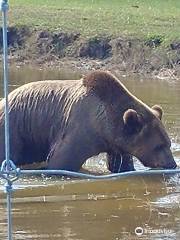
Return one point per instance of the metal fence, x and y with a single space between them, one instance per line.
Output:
10 173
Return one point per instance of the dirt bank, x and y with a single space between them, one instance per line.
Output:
71 50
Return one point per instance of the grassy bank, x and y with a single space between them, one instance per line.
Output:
138 36
132 18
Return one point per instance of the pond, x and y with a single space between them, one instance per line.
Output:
127 208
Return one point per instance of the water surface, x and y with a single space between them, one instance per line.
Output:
55 208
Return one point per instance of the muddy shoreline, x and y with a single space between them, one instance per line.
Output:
72 51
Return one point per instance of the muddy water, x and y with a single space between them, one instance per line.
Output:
55 208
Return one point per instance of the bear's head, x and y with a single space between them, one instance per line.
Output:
127 125
146 138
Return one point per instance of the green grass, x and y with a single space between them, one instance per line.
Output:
101 17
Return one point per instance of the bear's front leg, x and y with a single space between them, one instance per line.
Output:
65 156
72 151
120 162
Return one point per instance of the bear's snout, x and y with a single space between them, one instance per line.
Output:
166 165
163 159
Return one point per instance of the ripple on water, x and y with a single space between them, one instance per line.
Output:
169 201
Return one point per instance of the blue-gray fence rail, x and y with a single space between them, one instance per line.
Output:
17 172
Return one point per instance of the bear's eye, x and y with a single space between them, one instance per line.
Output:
159 148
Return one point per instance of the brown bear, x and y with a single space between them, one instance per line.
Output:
66 122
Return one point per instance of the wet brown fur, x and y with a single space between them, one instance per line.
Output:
66 122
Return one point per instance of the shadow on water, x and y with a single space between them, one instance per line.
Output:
72 209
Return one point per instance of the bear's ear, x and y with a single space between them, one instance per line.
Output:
132 121
157 110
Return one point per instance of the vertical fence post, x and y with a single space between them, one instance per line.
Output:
8 187
4 9
8 190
